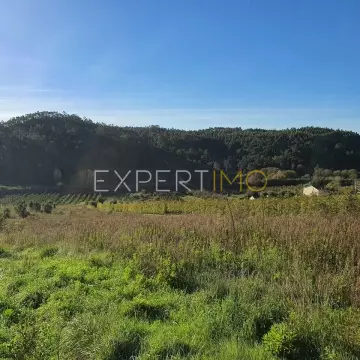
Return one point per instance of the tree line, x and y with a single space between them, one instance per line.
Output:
49 148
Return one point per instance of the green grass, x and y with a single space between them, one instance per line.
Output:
87 284
63 305
95 307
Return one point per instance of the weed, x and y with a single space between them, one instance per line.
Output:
148 311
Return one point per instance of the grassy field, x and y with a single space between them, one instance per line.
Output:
182 279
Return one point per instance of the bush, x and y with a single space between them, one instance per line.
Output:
260 323
47 208
35 206
286 343
33 300
6 213
21 210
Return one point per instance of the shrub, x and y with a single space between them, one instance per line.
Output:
6 213
47 208
4 253
21 210
263 321
286 343
35 206
11 316
33 300
351 203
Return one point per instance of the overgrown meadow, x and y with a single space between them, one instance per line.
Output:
216 278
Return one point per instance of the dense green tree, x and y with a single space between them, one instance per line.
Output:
33 145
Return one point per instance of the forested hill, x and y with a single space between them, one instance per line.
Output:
44 148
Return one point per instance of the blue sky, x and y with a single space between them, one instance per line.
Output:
186 64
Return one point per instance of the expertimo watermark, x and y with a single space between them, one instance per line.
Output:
143 177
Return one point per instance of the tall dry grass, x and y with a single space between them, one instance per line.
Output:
322 242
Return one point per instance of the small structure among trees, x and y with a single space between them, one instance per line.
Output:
311 190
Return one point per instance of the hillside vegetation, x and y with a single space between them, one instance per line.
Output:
48 148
